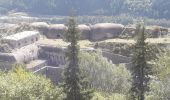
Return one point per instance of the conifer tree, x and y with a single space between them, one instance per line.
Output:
140 69
73 86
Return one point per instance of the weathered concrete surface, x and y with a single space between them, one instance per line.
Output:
26 53
36 65
21 39
54 56
85 31
6 61
56 31
7 57
96 32
105 31
92 32
42 27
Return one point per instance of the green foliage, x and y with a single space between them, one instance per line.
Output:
116 48
160 88
122 19
73 82
104 96
103 75
140 69
162 66
139 7
160 8
149 8
22 85
152 50
72 34
117 6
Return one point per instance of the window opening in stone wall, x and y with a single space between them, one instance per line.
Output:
36 38
58 36
19 44
32 40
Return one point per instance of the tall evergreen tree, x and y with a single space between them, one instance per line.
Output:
72 73
140 69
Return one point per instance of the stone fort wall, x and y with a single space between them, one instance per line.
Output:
92 32
96 32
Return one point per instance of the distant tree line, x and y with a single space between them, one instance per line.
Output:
148 8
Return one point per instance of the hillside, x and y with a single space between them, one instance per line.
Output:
148 8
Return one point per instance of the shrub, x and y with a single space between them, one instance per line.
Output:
160 88
103 75
104 96
22 85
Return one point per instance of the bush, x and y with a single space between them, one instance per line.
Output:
103 75
160 88
22 85
104 96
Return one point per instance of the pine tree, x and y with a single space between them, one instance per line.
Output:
140 69
73 85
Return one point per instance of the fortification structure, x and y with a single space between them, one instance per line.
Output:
96 32
56 31
106 31
22 47
21 39
39 55
46 55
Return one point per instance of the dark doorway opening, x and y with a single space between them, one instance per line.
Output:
58 36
